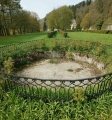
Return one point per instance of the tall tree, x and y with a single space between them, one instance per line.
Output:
60 18
8 8
13 19
86 22
66 16
44 25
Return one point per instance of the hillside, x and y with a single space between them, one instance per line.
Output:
94 14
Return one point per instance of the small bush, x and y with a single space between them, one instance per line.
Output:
64 33
8 65
78 95
69 55
51 34
54 61
70 70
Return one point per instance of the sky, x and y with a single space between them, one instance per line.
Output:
42 7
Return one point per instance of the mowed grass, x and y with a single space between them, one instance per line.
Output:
86 36
5 40
95 37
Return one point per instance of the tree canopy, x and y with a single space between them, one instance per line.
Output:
92 13
13 19
60 18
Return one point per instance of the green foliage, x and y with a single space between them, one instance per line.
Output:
51 34
8 65
100 50
78 95
14 107
54 45
70 70
26 53
54 61
109 64
45 26
15 20
60 18
99 5
99 22
65 34
41 46
86 22
69 55
92 13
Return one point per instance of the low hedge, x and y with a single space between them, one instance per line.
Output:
51 34
65 34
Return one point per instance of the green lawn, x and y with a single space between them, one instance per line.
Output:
96 37
4 40
103 38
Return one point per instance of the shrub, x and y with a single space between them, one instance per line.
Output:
64 33
51 34
69 55
8 65
54 61
54 45
70 70
78 95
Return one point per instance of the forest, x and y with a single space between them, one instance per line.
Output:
93 14
15 20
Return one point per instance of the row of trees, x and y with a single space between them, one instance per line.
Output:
13 19
96 14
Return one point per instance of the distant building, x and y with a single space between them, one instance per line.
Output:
73 24
109 26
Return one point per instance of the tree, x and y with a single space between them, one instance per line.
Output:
60 18
66 15
13 18
99 22
44 25
8 9
110 11
27 22
99 5
86 22
99 11
51 18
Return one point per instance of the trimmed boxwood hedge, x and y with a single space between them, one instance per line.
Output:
65 34
51 34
